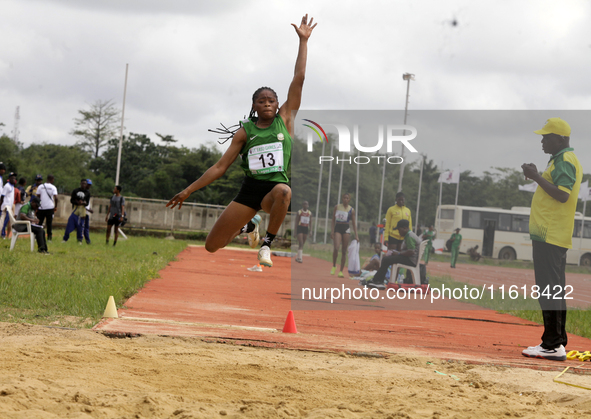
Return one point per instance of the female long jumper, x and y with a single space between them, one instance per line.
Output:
264 144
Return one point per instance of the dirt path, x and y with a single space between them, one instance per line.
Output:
56 373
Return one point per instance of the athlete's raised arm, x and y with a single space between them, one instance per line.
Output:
214 172
294 95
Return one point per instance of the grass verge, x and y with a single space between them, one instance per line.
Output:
71 286
578 321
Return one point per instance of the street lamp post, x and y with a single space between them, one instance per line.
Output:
408 77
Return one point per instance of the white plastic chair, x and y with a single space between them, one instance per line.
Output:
416 270
16 234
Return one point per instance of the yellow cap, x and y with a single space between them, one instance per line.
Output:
555 126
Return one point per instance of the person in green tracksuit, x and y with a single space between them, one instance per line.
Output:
428 235
455 246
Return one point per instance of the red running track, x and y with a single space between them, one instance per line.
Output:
215 297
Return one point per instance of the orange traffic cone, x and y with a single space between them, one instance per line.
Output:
290 326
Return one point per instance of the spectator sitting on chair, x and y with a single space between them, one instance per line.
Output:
408 255
27 213
474 255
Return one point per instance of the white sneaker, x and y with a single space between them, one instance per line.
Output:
265 256
253 236
255 268
558 354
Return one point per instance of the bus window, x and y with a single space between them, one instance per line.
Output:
447 214
520 223
586 231
473 219
504 222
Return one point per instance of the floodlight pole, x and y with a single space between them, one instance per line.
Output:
408 77
121 132
419 194
319 187
382 192
328 195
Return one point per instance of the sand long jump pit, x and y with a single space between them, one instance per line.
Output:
212 346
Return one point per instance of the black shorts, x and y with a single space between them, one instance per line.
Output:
253 191
303 230
114 221
342 228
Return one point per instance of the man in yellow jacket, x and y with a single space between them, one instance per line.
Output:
551 225
396 213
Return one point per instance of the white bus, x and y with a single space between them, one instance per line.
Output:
504 234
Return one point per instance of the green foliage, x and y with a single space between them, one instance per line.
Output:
67 163
10 153
96 126
495 188
160 170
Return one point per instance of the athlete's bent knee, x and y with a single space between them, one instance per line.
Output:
210 247
284 192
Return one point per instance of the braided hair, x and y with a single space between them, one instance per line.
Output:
228 132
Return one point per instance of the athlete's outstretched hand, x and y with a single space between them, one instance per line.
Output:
305 29
178 199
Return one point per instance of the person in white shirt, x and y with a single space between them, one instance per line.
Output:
7 201
2 171
47 194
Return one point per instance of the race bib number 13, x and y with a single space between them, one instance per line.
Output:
267 158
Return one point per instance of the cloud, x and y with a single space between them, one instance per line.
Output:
193 64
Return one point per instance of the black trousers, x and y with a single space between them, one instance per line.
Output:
386 262
549 268
39 233
46 215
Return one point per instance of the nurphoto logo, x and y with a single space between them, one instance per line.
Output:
388 133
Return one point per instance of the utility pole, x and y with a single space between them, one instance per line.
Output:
408 77
17 118
121 133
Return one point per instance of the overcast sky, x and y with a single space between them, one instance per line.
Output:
194 64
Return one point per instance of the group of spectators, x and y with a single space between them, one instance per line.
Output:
402 243
38 204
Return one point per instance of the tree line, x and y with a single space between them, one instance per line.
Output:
159 170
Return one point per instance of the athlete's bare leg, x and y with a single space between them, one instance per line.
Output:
301 240
228 226
276 203
335 251
236 215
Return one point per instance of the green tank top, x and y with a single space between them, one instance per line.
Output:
267 152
